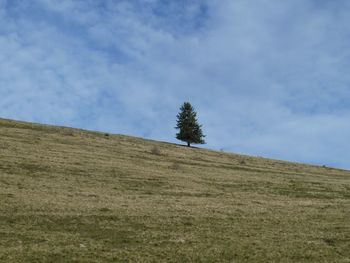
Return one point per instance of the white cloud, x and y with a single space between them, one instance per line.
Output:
267 77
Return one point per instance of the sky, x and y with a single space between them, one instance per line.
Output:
267 77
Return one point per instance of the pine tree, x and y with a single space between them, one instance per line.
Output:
187 123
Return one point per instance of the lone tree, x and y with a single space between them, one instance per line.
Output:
187 123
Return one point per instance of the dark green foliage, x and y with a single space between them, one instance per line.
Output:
187 124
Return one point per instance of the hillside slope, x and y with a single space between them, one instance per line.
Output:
68 195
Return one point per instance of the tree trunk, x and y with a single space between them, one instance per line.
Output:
188 144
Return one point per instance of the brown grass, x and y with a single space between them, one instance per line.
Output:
68 195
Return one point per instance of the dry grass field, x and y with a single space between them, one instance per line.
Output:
68 195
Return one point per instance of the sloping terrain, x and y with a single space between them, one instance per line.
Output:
68 195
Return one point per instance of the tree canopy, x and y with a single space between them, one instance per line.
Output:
187 124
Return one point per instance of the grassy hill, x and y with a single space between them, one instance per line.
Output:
68 195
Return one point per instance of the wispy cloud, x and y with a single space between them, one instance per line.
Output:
267 77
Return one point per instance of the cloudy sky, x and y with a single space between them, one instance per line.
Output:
267 77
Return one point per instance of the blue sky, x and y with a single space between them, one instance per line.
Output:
267 77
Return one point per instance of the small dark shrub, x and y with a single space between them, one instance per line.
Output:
175 166
329 241
4 145
242 162
107 134
155 150
66 132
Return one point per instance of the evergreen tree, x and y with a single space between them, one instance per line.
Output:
187 123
